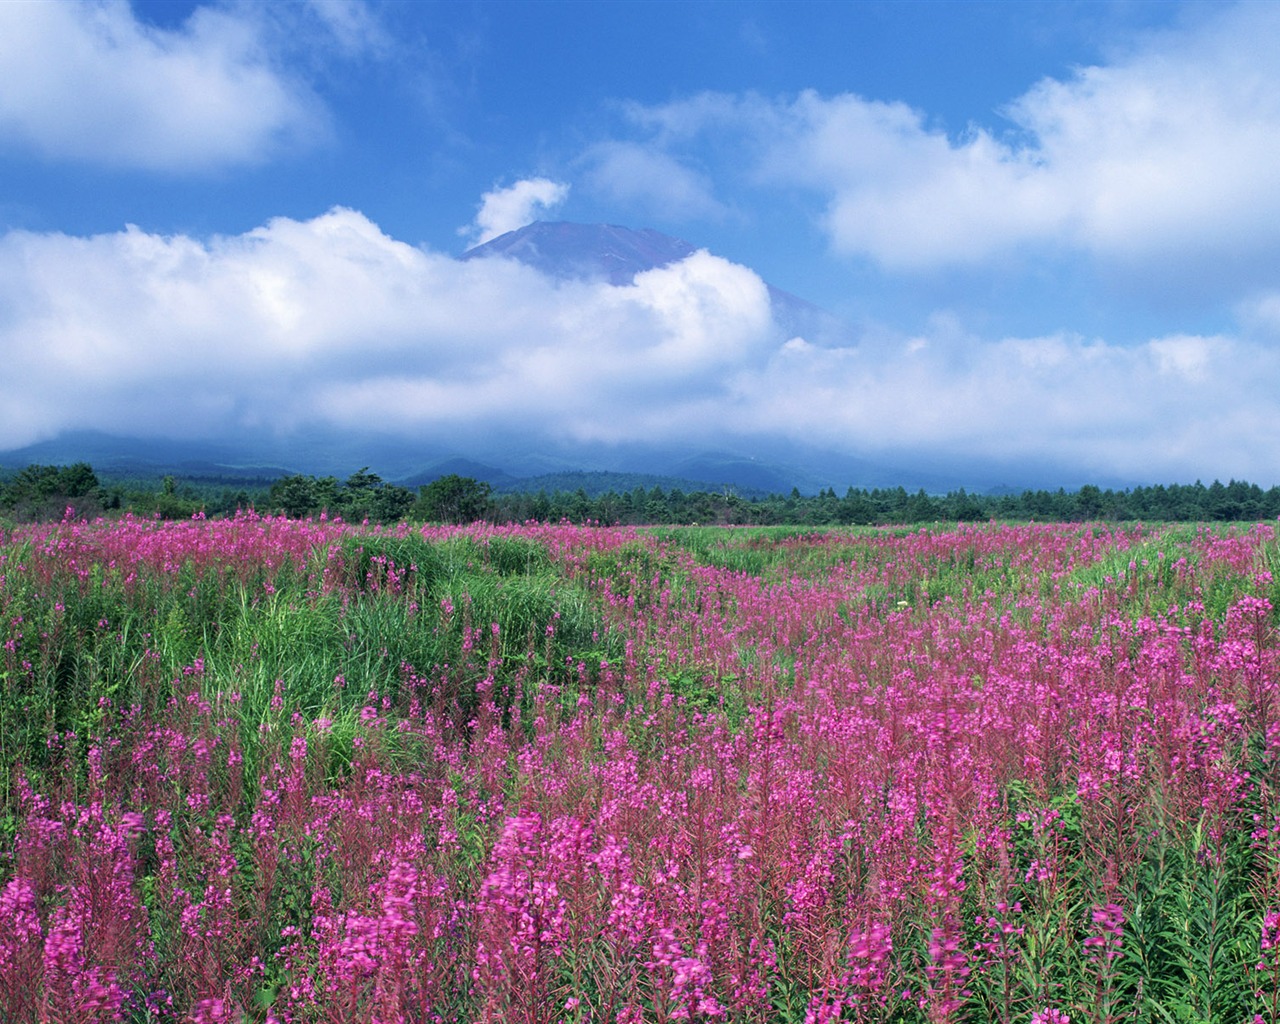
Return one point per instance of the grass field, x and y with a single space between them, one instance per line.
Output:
265 770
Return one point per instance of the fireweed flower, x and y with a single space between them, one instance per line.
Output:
708 841
688 978
20 942
868 951
1269 942
1108 936
947 970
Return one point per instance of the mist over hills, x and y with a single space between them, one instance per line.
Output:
541 451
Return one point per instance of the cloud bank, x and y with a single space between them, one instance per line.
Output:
332 323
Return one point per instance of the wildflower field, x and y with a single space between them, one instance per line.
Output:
266 770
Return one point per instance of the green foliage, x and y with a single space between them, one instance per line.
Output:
706 691
399 617
1192 937
45 492
296 496
363 495
453 499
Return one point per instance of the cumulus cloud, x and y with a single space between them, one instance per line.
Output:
1169 151
505 209
330 322
85 80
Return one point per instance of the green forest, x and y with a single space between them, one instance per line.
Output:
51 492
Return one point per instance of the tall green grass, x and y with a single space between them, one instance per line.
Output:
318 640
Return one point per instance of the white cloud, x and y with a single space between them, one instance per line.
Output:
1261 314
85 80
709 311
906 195
331 322
627 174
1171 152
1169 409
1185 356
352 26
506 209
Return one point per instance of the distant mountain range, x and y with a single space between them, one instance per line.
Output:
507 467
516 462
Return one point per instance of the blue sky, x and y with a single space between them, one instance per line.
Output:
1052 228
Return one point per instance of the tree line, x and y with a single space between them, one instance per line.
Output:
1196 502
46 492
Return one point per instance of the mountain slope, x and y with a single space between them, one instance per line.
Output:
616 254
563 250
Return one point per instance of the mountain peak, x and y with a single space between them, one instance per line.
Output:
602 251
609 252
